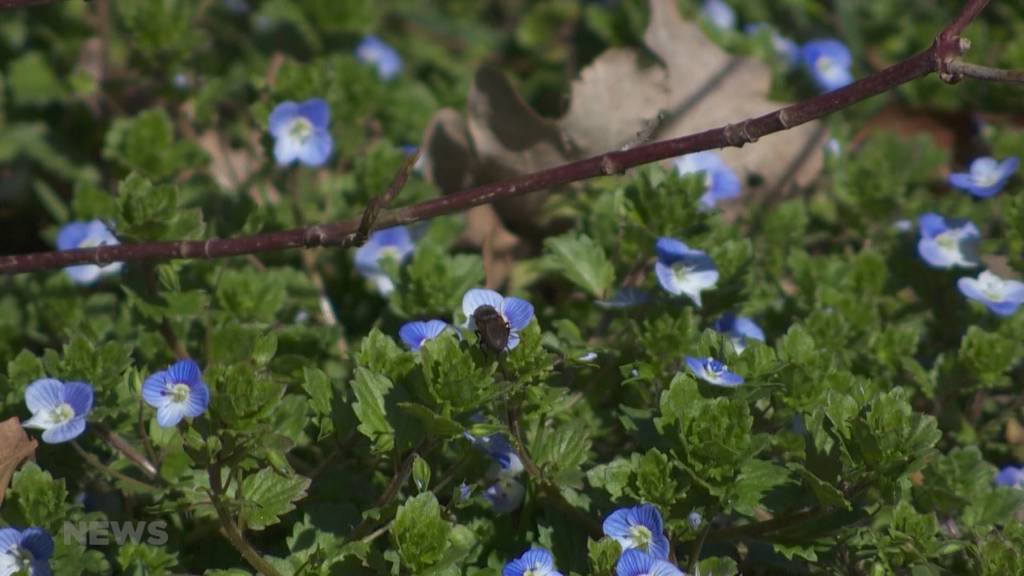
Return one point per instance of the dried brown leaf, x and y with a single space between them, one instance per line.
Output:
15 447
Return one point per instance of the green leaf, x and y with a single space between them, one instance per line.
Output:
382 355
32 80
419 532
654 480
269 495
602 555
421 474
453 382
370 390
612 477
146 144
264 349
582 261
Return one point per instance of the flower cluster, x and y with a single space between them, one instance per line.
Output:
948 243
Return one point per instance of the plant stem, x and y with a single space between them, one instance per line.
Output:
119 444
938 57
231 529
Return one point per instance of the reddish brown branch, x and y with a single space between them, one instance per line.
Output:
6 4
938 57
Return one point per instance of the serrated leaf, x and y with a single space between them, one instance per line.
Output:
269 495
419 533
582 261
370 390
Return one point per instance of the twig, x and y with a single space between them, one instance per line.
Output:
551 491
119 444
95 462
938 57
979 72
231 530
8 4
391 491
698 544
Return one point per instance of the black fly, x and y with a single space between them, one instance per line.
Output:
492 330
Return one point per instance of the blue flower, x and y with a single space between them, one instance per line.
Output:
588 357
87 235
828 62
395 243
985 177
713 372
414 334
515 311
496 446
176 393
784 48
694 520
638 527
300 132
738 329
636 563
1001 296
720 182
718 14
1010 476
505 495
58 408
947 243
533 562
683 270
372 50
25 552
624 298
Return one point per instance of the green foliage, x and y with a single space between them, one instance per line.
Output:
864 439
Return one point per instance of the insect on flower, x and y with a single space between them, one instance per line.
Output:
497 320
492 329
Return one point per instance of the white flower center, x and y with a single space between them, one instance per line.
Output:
535 570
61 414
180 393
389 252
680 270
824 65
641 536
986 178
301 129
992 287
947 240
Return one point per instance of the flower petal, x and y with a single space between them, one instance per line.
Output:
477 297
696 366
198 400
727 380
286 149
517 311
79 395
281 117
9 538
513 340
931 224
70 235
84 274
617 524
185 372
316 111
154 389
37 542
168 415
64 432
670 250
633 562
317 149
44 394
